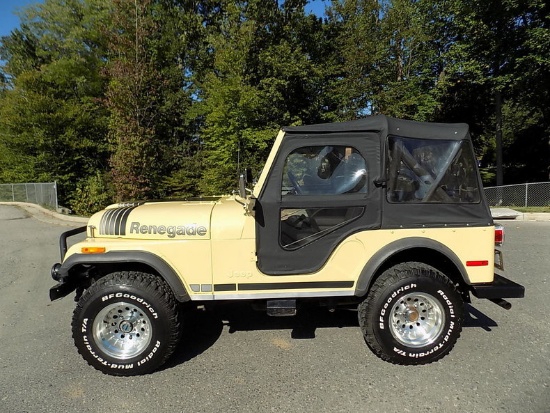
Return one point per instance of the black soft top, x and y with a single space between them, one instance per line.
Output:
384 125
377 130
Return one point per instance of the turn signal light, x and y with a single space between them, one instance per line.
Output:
92 250
499 235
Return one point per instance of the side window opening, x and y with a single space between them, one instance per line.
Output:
324 170
428 171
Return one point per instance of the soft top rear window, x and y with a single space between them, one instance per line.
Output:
431 171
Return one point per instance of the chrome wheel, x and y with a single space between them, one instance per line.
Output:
122 330
417 320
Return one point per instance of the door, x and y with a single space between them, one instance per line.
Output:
320 191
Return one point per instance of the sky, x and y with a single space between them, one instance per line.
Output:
9 21
316 7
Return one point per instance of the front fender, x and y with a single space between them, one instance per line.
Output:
68 281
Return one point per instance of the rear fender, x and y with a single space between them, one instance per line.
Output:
391 251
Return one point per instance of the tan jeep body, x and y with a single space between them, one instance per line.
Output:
212 243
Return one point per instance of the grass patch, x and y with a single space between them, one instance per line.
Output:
531 209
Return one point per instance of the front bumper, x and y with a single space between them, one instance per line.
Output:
63 239
61 289
64 286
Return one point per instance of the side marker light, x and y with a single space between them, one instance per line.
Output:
480 263
92 250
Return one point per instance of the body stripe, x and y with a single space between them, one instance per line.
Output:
104 222
295 285
225 287
124 220
114 221
283 286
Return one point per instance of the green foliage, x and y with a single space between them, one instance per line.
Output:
182 183
267 71
52 121
146 96
92 194
532 209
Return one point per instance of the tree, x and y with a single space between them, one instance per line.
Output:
52 121
386 58
149 99
149 96
487 77
530 150
267 71
356 79
133 98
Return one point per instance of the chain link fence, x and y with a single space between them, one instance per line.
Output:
521 195
44 194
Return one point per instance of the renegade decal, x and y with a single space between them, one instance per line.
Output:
170 231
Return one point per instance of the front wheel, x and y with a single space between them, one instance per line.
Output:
126 324
412 314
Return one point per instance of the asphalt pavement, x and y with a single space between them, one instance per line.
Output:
235 360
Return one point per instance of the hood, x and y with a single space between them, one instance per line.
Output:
154 220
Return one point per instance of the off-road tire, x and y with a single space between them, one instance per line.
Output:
412 314
126 323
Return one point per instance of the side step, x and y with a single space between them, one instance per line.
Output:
281 308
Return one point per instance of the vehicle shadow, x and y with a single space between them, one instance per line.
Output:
203 327
475 318
200 330
303 324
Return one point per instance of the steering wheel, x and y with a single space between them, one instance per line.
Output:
294 182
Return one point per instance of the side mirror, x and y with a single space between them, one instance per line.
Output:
244 178
242 186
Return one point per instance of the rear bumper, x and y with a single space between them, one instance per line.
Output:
501 287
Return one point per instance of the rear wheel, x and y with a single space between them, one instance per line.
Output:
126 324
412 314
